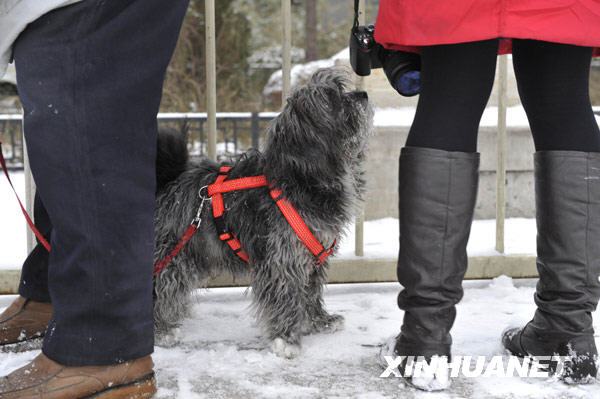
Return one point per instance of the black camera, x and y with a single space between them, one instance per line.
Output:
364 50
401 68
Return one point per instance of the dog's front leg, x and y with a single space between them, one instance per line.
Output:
317 318
279 294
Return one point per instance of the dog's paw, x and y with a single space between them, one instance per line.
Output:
284 349
328 324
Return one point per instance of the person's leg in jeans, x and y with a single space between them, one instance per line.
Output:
90 78
553 82
438 188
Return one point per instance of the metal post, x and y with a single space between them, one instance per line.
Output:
29 196
501 153
359 229
211 79
286 49
255 130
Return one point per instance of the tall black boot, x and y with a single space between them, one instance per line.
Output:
567 186
438 190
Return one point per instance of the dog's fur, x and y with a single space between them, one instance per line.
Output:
313 153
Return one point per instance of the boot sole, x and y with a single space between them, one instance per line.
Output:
141 389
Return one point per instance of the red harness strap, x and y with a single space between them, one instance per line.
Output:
216 190
222 185
37 233
300 228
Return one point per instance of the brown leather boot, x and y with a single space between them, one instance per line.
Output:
43 378
24 320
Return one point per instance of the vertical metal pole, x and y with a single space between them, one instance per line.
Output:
501 153
286 49
211 79
29 196
255 130
359 229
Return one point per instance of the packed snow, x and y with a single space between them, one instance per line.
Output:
219 352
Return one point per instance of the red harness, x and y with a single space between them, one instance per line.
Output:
222 185
215 193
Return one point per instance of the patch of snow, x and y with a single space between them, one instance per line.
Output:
203 115
342 55
300 73
219 352
270 57
381 239
13 245
403 116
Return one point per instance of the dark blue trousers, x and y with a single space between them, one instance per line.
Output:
90 78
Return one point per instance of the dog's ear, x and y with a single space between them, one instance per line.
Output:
316 103
335 78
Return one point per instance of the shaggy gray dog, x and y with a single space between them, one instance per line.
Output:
313 153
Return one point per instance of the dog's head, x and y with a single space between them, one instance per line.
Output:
322 129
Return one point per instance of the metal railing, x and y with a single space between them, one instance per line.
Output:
237 132
208 124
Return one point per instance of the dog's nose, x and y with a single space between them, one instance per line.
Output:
361 95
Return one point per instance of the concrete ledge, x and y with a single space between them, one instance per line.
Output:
384 270
9 281
364 271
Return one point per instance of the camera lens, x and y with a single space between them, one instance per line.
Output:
408 84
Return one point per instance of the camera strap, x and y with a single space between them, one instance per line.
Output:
356 13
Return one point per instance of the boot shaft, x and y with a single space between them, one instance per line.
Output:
438 191
567 187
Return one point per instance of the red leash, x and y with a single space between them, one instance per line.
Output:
187 236
37 233
162 264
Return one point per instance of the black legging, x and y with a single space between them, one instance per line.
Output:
553 82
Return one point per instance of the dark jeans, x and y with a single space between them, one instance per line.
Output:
90 78
553 83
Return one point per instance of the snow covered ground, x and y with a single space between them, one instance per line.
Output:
219 353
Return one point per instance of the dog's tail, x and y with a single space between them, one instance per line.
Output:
171 157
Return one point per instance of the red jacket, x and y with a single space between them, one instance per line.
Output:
413 23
